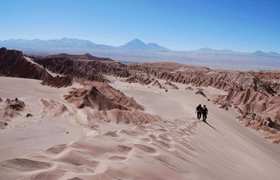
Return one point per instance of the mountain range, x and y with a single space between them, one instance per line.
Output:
137 50
70 44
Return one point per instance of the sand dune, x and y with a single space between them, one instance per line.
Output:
173 146
51 118
224 149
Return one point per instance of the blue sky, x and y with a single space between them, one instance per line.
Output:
244 25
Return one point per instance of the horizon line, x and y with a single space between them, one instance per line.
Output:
168 49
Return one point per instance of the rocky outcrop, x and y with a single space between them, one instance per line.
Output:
157 84
14 64
86 56
140 78
251 103
53 108
200 76
189 88
170 85
257 110
83 68
102 96
200 92
95 99
109 105
58 81
9 109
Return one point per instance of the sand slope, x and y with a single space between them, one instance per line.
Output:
51 118
224 149
176 147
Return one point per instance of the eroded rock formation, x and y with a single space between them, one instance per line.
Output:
9 109
108 105
89 69
254 94
101 96
14 64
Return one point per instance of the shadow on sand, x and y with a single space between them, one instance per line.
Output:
206 122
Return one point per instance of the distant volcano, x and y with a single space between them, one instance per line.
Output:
137 44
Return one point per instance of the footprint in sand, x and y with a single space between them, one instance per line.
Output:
78 159
165 137
112 134
52 174
161 130
145 148
129 132
146 139
56 149
117 158
25 164
123 149
162 144
75 178
153 137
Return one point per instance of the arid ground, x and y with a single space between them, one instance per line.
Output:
74 117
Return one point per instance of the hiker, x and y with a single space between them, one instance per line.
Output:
204 113
198 111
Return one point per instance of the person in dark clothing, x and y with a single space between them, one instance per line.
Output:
204 112
198 111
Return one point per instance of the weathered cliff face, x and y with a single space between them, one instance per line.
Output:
270 77
257 110
143 79
200 76
14 64
83 68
